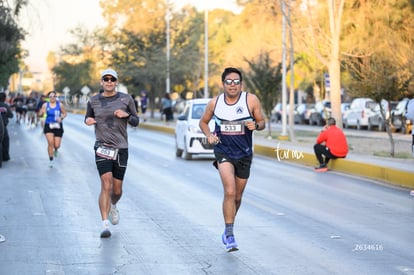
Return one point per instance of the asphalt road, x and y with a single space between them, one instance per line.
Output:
292 220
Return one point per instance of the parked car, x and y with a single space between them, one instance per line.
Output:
302 113
320 113
189 139
376 120
409 120
398 119
359 112
277 113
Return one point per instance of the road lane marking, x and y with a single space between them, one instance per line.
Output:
37 204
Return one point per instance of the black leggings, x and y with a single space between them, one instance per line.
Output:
323 154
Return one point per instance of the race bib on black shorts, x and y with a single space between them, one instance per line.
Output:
106 152
55 125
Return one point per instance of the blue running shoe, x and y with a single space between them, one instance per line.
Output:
230 242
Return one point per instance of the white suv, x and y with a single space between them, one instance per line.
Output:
189 140
359 112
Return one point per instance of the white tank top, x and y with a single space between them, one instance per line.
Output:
233 112
235 137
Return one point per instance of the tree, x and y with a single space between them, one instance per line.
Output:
140 59
376 71
74 76
374 78
187 53
140 52
79 63
264 79
10 37
321 36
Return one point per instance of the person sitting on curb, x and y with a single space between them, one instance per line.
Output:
330 144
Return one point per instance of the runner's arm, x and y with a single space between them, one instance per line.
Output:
90 115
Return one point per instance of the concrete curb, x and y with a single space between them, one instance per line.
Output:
159 128
377 172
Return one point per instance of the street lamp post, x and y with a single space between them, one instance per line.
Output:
167 19
284 96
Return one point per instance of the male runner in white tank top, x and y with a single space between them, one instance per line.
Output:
237 114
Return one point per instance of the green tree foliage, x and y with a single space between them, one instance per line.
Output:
264 79
140 39
187 49
10 37
140 62
74 76
80 62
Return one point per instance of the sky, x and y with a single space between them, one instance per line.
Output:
48 22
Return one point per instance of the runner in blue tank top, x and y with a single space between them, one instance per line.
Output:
53 129
237 114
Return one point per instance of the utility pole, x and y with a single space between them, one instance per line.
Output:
283 135
205 52
167 19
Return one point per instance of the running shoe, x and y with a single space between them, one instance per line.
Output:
55 153
229 241
321 168
113 214
106 233
2 239
51 164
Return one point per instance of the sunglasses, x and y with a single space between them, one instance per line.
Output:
106 79
232 81
52 96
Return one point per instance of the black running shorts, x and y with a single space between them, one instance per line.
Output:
56 132
241 166
116 166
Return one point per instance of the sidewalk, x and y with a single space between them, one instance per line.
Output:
399 172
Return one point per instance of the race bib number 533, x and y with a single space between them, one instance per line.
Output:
232 127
